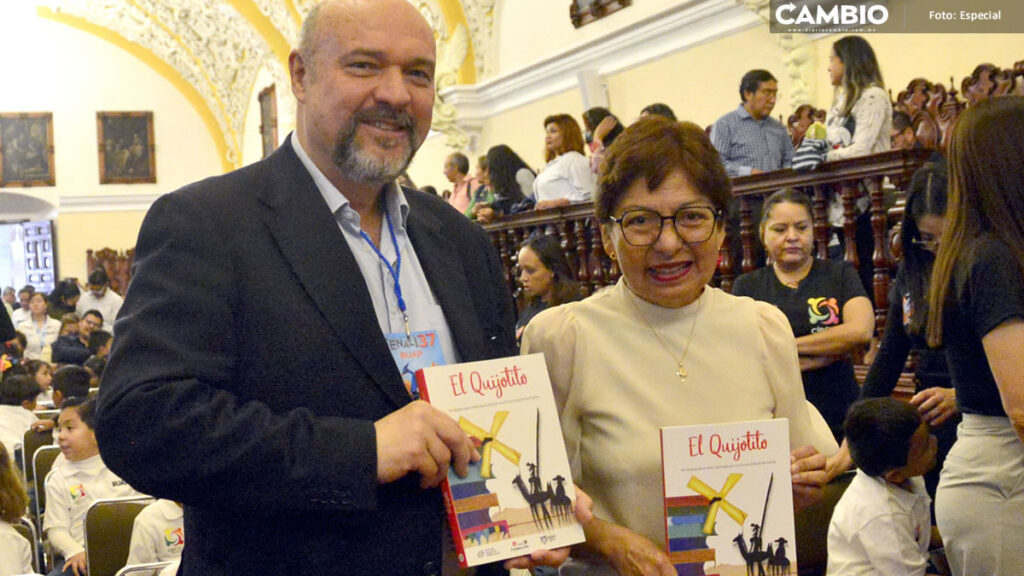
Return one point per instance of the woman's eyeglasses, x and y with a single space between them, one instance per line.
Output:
643 227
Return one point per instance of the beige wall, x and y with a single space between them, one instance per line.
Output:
76 233
61 76
702 83
531 30
522 128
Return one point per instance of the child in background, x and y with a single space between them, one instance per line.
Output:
17 401
158 533
42 373
76 484
15 551
95 366
68 382
882 524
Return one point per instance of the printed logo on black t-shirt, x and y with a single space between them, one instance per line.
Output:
822 313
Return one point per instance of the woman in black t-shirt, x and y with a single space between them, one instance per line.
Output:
824 301
977 314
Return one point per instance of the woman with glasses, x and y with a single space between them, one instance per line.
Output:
825 302
661 347
924 219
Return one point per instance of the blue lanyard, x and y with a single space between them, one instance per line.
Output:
395 271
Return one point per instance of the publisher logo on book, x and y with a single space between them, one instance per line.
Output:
827 16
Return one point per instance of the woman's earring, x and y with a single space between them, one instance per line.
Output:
612 255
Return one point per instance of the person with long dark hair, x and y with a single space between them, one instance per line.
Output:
924 219
860 118
511 182
545 276
976 312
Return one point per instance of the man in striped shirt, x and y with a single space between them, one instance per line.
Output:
748 138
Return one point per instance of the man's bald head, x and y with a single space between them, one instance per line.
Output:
348 12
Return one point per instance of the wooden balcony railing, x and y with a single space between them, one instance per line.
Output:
848 179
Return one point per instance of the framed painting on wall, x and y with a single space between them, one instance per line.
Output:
26 149
127 153
268 119
586 11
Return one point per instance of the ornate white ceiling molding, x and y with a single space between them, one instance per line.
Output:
673 30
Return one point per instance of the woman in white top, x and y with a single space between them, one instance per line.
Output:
661 348
861 114
39 329
567 177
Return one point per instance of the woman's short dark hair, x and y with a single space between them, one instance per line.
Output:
878 432
594 116
652 149
86 408
785 196
502 165
659 109
549 251
572 137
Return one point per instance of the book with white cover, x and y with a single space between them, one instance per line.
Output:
519 497
729 498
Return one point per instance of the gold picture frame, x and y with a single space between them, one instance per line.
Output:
126 151
26 149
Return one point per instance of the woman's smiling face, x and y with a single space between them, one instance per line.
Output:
669 272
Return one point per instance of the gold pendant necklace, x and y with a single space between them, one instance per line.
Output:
680 367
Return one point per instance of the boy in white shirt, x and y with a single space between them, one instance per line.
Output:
71 488
882 524
17 401
158 533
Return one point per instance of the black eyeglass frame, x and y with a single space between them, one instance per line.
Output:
716 216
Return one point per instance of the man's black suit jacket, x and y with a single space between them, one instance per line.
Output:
249 369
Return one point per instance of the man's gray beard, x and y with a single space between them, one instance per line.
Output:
359 165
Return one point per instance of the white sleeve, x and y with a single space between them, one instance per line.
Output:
582 179
890 546
57 520
525 178
872 113
142 548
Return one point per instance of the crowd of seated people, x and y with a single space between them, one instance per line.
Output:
55 395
